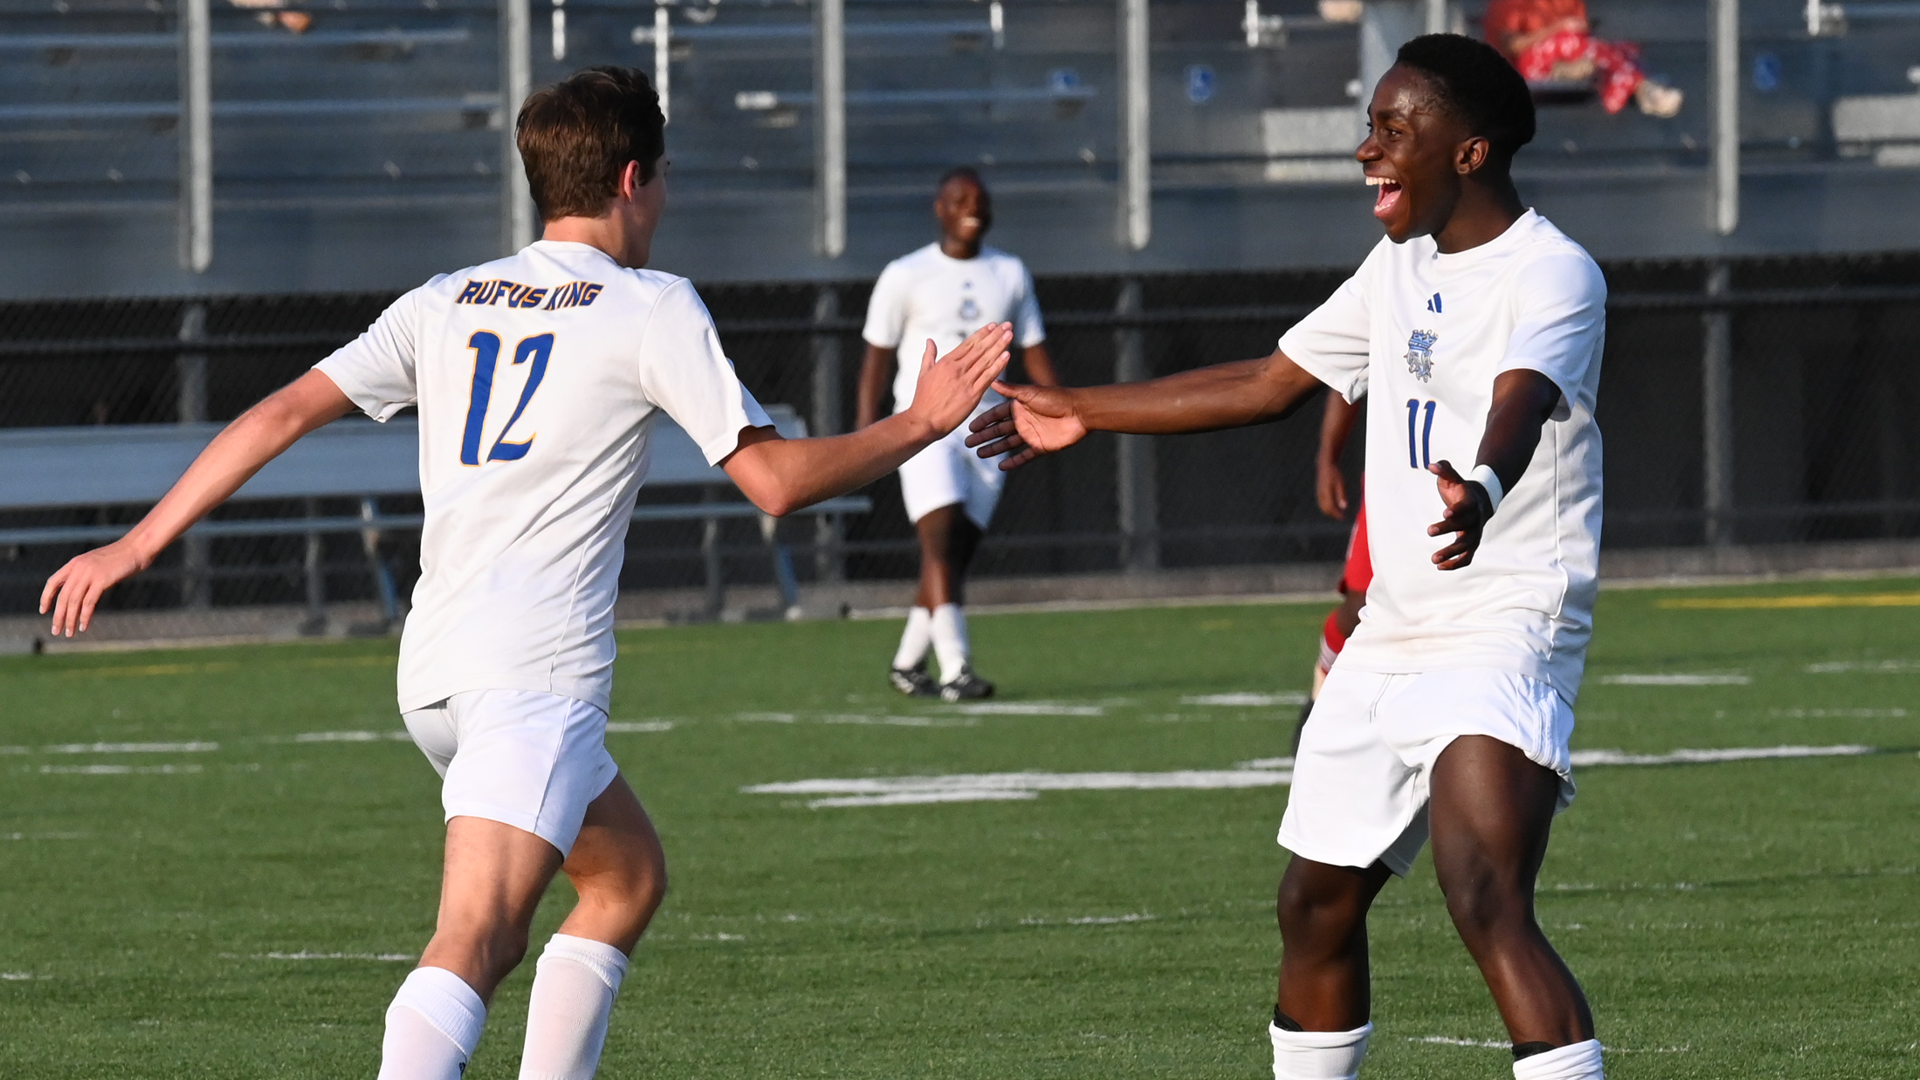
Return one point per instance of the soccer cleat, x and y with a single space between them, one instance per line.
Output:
965 686
913 681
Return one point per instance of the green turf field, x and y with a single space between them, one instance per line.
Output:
247 909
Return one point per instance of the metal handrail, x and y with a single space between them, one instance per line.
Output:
148 110
170 42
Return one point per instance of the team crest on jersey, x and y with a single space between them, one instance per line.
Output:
969 309
1420 354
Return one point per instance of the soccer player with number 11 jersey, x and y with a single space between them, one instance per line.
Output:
537 378
1474 330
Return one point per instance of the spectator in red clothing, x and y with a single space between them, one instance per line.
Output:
1551 41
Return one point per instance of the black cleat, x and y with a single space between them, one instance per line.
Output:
913 681
965 686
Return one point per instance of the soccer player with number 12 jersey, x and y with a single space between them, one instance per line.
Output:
537 378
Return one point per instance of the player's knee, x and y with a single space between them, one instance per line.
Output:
1309 912
507 948
636 884
1481 902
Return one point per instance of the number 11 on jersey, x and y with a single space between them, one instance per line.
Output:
1419 433
486 357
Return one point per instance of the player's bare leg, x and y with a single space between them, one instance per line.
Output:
948 539
493 879
1320 1027
618 868
620 872
1491 812
1323 931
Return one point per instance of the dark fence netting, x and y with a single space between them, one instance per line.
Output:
1754 401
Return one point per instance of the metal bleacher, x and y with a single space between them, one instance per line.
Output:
367 152
89 468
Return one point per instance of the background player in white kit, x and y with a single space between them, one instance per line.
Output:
537 378
942 293
1475 329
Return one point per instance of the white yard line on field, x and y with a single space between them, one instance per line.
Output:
120 770
133 748
1249 700
353 736
1884 667
384 957
921 798
1259 773
638 727
1030 708
1677 680
1092 920
1706 757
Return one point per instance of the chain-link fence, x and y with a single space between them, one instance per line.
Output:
1758 402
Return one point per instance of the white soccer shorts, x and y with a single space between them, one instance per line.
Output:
949 472
1366 757
524 758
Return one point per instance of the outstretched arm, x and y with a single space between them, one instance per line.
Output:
1523 401
230 460
783 475
1041 420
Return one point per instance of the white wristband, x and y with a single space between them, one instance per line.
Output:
1487 478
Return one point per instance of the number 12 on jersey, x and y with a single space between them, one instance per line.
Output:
1419 433
486 356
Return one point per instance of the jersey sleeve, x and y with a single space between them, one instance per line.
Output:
887 309
1028 330
684 371
376 369
1560 325
1333 343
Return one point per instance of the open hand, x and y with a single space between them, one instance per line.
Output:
951 387
1468 509
1035 420
74 589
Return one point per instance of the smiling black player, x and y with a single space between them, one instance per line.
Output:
1475 331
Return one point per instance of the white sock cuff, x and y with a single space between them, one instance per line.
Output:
1318 1055
444 1000
1580 1061
609 963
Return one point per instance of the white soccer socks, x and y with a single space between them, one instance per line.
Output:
1318 1055
950 640
432 1027
915 641
573 991
1581 1061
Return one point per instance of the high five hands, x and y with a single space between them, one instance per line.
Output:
1034 420
949 388
1468 509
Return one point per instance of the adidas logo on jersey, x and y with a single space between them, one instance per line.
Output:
1433 303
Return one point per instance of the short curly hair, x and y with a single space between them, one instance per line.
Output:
577 136
1478 85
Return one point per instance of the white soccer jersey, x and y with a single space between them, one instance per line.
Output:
536 378
930 295
1423 335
